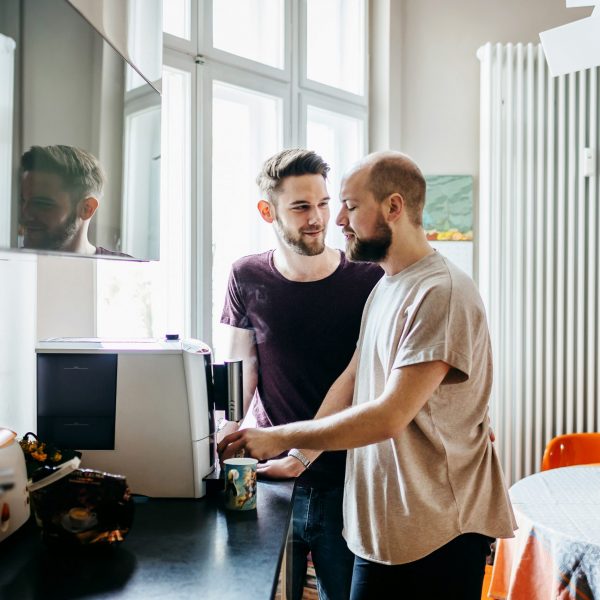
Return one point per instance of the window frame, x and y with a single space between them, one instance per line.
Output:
176 61
322 88
290 84
310 98
219 56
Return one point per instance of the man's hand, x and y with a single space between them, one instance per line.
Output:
226 428
257 443
281 468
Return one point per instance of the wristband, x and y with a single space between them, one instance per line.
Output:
299 456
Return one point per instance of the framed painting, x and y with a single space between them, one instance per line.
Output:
448 213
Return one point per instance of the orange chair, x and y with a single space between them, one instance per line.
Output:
572 449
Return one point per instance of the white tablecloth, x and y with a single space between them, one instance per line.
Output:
556 551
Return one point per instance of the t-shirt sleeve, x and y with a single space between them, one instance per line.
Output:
438 327
234 310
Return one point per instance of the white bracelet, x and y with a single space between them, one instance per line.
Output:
299 456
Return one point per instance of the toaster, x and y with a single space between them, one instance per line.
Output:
14 497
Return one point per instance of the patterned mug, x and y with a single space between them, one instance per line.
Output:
240 483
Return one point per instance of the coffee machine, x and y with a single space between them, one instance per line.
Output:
142 408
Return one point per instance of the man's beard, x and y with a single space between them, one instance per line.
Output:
297 243
57 240
373 249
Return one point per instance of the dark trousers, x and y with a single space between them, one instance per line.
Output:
317 528
453 572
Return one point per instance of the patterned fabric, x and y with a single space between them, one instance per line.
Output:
556 554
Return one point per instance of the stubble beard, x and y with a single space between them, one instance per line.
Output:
57 240
298 244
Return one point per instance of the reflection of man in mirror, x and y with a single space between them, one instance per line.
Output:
60 190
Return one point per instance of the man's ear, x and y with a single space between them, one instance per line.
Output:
265 210
86 208
395 206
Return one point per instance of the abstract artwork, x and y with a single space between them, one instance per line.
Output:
448 214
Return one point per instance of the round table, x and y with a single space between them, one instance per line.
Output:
556 550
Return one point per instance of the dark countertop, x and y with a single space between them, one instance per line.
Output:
176 549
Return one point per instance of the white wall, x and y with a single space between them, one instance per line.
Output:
440 71
17 341
66 293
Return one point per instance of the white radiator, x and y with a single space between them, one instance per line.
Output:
538 251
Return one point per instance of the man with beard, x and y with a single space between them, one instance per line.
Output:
294 316
60 190
424 491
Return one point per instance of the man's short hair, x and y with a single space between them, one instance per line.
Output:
81 172
393 172
287 163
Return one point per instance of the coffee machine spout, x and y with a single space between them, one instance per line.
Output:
229 389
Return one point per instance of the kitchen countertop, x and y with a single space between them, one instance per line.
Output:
177 548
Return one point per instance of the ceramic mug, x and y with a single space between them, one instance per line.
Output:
240 483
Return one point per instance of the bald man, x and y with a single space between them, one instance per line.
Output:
425 494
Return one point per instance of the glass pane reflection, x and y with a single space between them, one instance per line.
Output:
340 140
335 44
253 29
149 299
247 128
177 18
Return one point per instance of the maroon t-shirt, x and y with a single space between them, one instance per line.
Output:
306 334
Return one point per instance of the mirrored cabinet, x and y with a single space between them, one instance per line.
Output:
80 127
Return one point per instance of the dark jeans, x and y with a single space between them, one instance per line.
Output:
317 528
453 572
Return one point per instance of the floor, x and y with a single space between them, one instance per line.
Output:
310 588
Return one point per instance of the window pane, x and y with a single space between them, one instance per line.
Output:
150 299
335 43
177 18
247 129
133 79
141 177
144 40
339 139
253 29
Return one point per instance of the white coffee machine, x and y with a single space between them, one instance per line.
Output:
143 409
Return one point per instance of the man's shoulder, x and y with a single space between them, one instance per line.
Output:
252 263
446 281
456 279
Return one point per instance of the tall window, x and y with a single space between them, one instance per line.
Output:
152 299
256 85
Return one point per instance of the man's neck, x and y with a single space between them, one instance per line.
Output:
80 245
406 250
298 267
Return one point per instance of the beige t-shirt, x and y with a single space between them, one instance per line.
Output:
440 477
